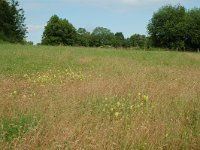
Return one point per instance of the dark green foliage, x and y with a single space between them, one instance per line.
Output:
166 26
58 32
119 35
101 37
29 43
119 40
175 28
12 27
193 28
61 32
83 37
138 40
171 27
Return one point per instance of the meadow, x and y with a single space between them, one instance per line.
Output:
96 98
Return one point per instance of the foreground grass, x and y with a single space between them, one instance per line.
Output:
87 98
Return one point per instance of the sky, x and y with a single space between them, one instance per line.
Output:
127 16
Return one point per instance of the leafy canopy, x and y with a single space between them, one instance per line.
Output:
83 37
58 32
101 37
175 27
12 27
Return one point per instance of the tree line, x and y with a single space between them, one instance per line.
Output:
60 31
172 27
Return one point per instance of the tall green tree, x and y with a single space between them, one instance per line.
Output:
137 40
193 28
119 40
119 35
59 32
101 37
83 37
12 26
167 27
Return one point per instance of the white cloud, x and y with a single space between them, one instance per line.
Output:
35 28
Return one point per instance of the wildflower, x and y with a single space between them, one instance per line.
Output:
106 98
15 92
25 75
139 94
131 107
145 98
116 114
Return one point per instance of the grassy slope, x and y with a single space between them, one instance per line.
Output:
87 98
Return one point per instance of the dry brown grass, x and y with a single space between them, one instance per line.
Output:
69 117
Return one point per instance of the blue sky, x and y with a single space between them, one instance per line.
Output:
127 16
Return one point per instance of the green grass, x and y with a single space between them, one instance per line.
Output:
98 98
16 127
18 59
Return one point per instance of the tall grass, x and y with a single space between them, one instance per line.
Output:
95 98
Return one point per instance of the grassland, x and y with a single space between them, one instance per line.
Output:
92 98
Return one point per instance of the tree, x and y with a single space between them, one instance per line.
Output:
83 37
137 40
174 27
127 43
119 35
119 40
167 27
12 27
193 28
101 37
58 32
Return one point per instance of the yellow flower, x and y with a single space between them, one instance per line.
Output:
15 92
33 93
139 94
25 75
145 98
116 114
